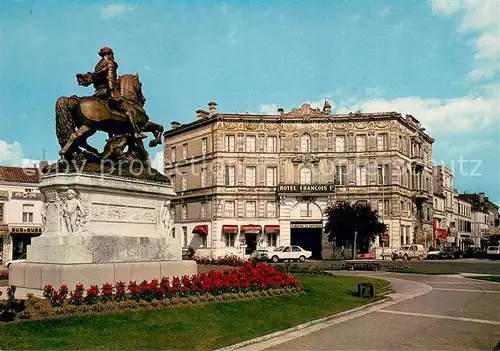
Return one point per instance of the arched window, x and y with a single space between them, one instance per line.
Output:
305 143
305 176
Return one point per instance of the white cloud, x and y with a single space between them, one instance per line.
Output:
271 109
447 116
385 11
374 92
158 162
114 10
482 20
13 155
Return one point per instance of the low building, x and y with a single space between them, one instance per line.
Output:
485 223
247 181
464 225
20 207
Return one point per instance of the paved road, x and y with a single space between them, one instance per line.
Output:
467 265
427 313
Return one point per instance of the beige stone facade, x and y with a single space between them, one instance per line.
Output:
245 181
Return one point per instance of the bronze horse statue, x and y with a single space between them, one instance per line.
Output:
77 119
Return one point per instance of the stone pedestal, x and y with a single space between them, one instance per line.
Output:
96 228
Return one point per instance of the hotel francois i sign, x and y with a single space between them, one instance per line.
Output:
306 188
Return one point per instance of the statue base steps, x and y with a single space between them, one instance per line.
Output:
36 275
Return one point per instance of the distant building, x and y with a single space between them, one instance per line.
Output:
249 181
20 207
445 207
485 223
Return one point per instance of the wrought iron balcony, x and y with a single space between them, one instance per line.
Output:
20 195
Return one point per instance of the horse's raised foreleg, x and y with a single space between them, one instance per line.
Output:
157 130
75 139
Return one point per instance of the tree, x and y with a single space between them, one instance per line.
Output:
344 219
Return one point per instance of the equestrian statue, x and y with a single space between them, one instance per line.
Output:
116 108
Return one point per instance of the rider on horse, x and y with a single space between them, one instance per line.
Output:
105 83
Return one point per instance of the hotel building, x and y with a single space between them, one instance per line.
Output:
247 181
20 207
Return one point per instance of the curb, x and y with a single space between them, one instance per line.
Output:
305 325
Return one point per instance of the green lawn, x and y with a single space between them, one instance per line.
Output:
196 327
429 271
490 278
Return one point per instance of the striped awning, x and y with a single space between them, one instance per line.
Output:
251 229
201 229
271 228
230 229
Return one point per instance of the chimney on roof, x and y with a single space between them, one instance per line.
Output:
281 110
212 108
327 107
175 124
481 198
200 114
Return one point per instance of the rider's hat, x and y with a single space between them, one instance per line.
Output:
105 51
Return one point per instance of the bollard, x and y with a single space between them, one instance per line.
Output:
366 290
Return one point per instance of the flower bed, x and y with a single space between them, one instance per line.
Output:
228 260
4 275
249 281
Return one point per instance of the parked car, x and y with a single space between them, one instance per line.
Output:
433 254
20 259
260 255
290 253
493 252
451 253
407 252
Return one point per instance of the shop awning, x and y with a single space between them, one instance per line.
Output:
230 229
201 229
441 233
251 229
271 228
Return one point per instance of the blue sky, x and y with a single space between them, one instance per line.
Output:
436 60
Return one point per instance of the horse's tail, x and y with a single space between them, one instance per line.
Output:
65 123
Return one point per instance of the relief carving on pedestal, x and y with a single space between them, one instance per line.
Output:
166 219
122 213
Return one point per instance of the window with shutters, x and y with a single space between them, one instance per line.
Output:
185 236
341 175
250 143
386 207
305 176
184 211
250 176
229 175
271 209
185 151
203 177
250 208
380 207
271 173
272 142
28 210
173 182
172 154
382 142
272 239
203 210
184 182
204 146
340 143
361 142
229 208
229 142
1 212
305 143
361 175
383 176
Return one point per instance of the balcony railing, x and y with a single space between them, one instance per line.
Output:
418 161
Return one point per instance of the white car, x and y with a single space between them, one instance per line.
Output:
493 252
20 259
291 253
407 252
